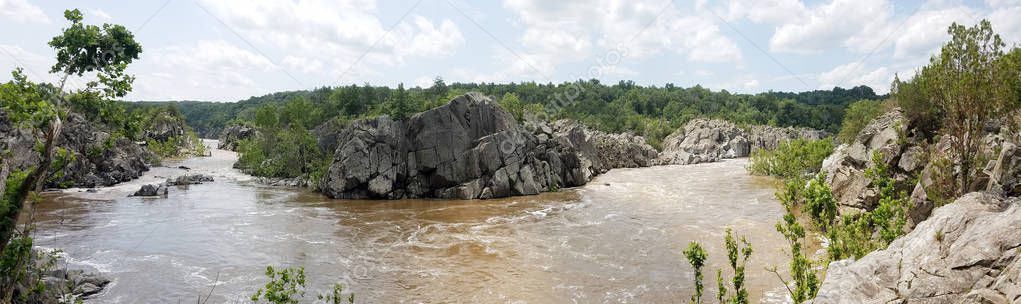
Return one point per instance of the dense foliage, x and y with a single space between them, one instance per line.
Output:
651 111
791 159
970 83
102 53
858 115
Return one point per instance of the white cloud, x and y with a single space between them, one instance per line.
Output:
558 32
22 12
855 24
214 69
35 66
854 74
923 33
1006 20
302 64
763 11
346 28
100 14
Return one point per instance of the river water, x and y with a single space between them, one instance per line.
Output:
618 239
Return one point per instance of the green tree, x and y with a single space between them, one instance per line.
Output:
512 103
969 83
400 104
83 51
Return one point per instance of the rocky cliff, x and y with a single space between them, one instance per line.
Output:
98 159
907 155
233 134
601 151
709 140
468 148
886 135
967 252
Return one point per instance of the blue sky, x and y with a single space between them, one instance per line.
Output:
226 50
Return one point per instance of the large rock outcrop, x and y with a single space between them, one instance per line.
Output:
98 159
233 134
601 151
708 140
468 148
966 252
886 135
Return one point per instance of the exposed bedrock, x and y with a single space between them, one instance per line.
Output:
709 140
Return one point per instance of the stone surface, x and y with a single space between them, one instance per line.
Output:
468 148
62 285
602 151
708 140
152 190
845 168
966 252
191 179
233 134
98 159
1005 174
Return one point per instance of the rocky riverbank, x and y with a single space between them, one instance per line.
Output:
709 140
97 158
470 148
967 252
963 252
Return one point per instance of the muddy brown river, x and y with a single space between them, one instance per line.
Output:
617 240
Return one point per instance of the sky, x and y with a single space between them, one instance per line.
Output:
228 50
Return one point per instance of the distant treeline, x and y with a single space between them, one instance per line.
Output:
651 111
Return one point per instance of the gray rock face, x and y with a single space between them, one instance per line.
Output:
192 179
99 160
152 190
468 148
769 137
165 127
845 168
966 252
61 284
233 134
601 151
1005 173
708 140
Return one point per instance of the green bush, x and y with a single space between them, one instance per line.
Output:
696 256
791 159
858 115
854 236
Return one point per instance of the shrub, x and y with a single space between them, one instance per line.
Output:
791 159
857 116
696 256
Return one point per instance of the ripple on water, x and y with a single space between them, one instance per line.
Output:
595 243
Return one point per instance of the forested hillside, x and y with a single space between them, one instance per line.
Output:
649 111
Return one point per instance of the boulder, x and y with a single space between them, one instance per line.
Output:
164 127
191 179
770 137
602 151
61 284
966 252
845 168
469 148
99 160
708 140
1005 173
233 134
152 190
